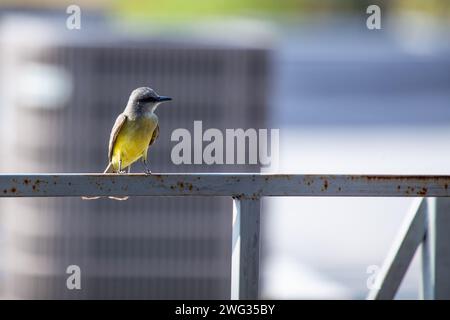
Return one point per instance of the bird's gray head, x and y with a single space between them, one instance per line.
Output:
145 99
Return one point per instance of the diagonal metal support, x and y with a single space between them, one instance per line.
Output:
402 252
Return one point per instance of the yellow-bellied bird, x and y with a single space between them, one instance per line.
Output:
134 131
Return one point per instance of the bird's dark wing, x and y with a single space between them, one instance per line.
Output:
155 135
121 119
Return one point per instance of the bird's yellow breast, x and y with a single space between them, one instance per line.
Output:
132 140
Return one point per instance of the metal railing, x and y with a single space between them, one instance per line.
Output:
428 223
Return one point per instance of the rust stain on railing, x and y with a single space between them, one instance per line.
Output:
250 186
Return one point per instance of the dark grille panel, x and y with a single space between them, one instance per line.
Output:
144 247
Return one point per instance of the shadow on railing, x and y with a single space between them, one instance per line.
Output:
428 223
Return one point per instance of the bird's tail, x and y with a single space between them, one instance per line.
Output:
109 169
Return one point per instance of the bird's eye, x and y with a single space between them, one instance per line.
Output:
147 99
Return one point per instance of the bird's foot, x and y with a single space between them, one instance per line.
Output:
148 171
122 171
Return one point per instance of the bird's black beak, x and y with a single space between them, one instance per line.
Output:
164 98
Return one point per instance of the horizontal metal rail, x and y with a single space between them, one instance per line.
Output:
216 184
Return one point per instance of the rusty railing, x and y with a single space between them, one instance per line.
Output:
427 225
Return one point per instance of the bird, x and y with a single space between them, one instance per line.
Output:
134 131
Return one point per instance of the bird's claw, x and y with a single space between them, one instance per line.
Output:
148 171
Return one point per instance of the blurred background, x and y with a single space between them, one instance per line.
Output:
345 98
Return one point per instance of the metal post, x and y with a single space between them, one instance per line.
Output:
436 251
245 249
